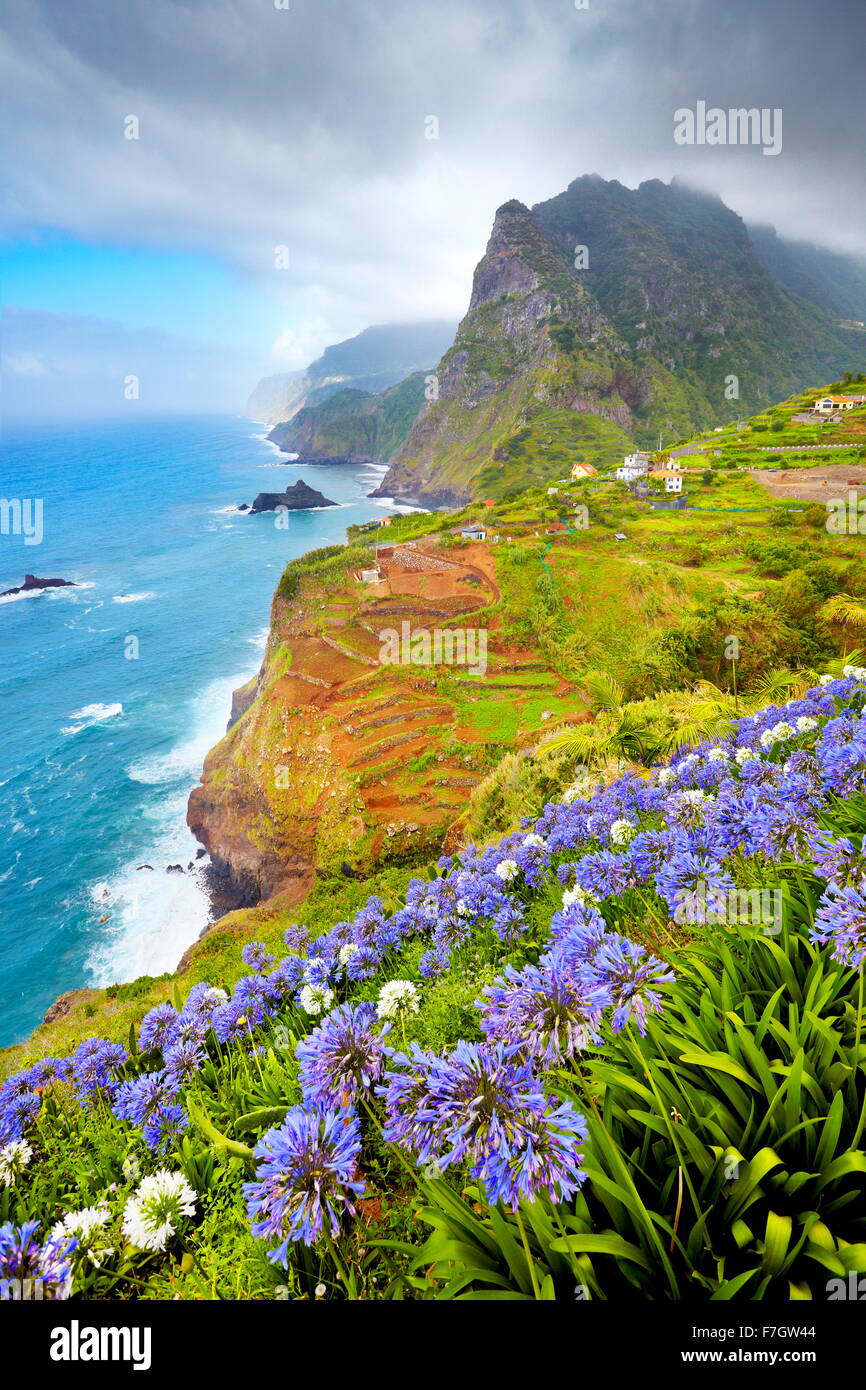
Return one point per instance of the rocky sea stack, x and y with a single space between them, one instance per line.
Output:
32 583
298 497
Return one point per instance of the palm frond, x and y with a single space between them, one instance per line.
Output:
845 610
587 747
770 687
604 692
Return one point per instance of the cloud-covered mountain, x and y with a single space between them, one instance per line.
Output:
605 315
379 357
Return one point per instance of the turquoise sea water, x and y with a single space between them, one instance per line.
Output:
98 751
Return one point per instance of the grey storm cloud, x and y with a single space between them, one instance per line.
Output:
305 127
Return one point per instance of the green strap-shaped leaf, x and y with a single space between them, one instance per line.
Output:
213 1135
731 1287
606 1244
720 1061
261 1119
777 1238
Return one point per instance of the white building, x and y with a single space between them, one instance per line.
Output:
828 405
633 466
673 481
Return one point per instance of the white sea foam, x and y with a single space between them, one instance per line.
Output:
390 505
154 916
209 714
133 598
91 715
28 593
263 438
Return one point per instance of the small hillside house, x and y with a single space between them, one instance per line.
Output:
672 480
634 466
473 533
583 470
828 405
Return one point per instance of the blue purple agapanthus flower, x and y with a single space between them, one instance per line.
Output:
342 1059
30 1268
483 1104
306 1179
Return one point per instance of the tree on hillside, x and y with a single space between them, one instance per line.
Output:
643 731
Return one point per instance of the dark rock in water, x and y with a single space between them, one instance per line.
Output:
299 497
32 582
200 853
144 866
243 506
174 869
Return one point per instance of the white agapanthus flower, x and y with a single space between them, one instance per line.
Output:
153 1214
666 776
316 999
744 755
718 755
462 908
778 734
854 673
582 786
534 841
694 797
805 724
825 680
508 870
215 995
14 1158
621 832
577 895
87 1226
397 998
347 952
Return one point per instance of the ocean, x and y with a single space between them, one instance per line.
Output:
100 749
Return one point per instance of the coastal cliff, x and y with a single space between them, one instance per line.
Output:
324 769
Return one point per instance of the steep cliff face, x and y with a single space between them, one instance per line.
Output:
677 273
605 316
532 338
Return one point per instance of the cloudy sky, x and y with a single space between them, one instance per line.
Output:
306 127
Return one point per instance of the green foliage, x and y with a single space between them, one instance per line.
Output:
725 1152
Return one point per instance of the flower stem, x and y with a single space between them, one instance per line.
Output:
396 1148
529 1260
